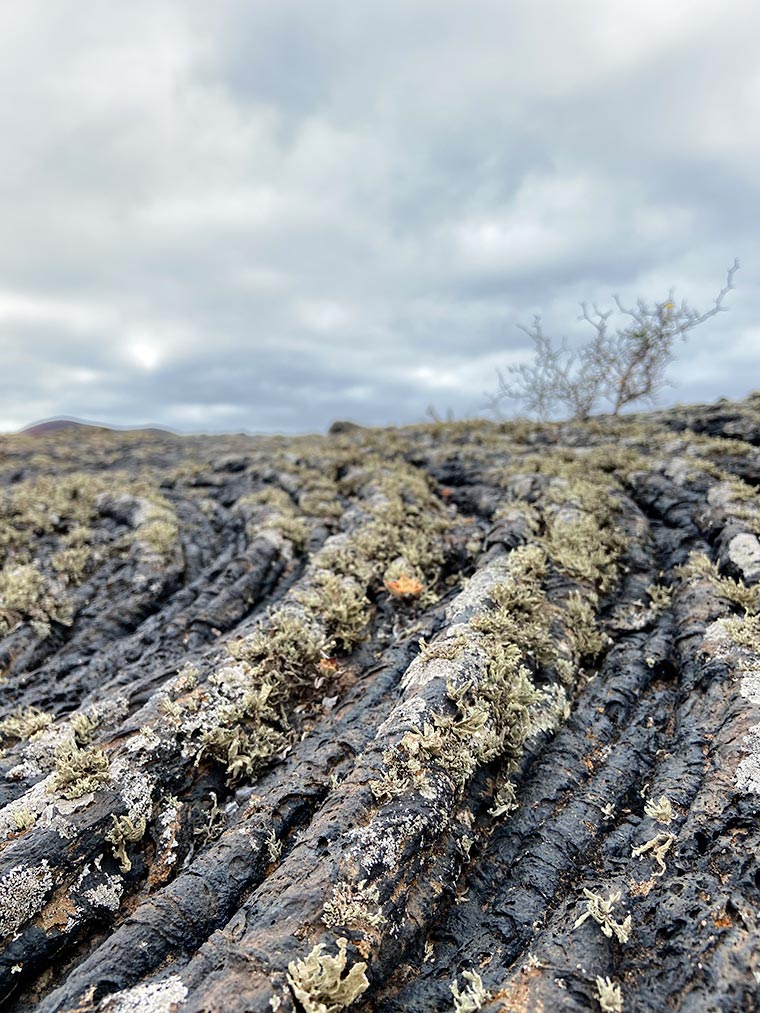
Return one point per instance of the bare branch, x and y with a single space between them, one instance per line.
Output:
623 367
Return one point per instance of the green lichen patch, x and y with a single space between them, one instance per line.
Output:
744 632
578 506
491 715
79 771
85 725
267 496
43 505
341 604
445 650
319 498
699 566
23 818
490 720
71 563
585 549
157 530
23 723
243 728
239 718
295 529
125 831
244 752
660 596
404 535
286 648
27 595
520 616
272 508
581 621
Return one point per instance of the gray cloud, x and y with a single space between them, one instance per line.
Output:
267 216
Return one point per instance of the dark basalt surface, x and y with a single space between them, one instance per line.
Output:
425 690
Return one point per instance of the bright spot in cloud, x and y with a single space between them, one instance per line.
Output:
145 355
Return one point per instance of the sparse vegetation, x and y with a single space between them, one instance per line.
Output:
425 725
620 367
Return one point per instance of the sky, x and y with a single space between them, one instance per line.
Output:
266 216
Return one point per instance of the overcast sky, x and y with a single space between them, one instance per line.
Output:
268 215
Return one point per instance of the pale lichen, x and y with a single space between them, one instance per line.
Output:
609 995
71 562
354 905
105 894
505 799
658 845
124 831
660 596
23 723
274 847
85 725
660 810
744 632
748 771
487 663
318 982
587 639
341 604
585 548
23 818
473 996
601 910
26 594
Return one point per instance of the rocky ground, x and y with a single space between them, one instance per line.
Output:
453 717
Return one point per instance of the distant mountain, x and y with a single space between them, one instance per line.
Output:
55 425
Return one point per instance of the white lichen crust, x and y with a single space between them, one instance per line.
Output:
165 996
23 891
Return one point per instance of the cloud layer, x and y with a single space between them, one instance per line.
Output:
266 216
